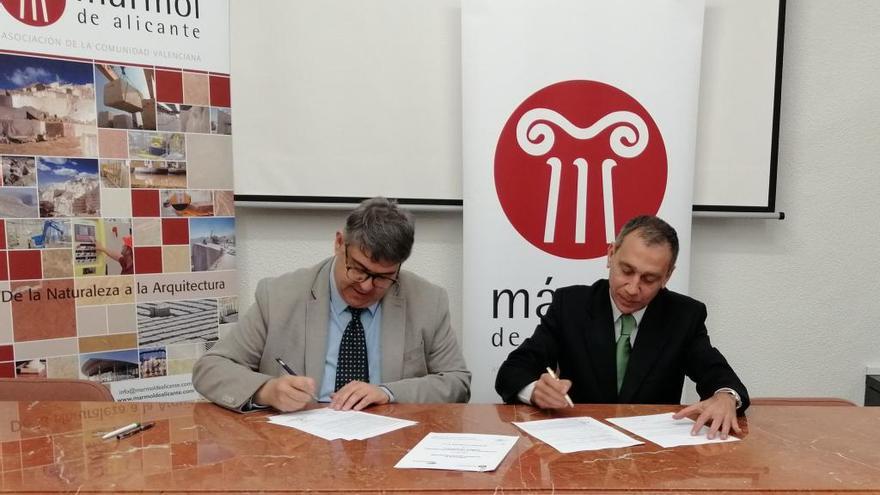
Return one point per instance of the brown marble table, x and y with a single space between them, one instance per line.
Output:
57 447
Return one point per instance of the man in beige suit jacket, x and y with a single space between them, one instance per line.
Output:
293 319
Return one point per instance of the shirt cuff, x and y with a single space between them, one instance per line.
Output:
525 395
388 393
251 405
732 392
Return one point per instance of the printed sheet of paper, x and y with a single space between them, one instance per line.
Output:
347 425
665 431
458 452
576 434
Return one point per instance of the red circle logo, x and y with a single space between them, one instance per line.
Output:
574 162
37 13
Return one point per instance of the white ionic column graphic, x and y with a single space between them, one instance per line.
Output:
608 198
552 198
580 219
34 10
536 136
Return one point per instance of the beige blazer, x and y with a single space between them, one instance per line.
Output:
421 358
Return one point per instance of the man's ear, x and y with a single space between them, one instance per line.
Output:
668 275
610 254
338 242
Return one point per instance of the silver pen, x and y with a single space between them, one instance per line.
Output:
120 431
143 427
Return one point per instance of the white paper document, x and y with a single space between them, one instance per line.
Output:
665 431
458 451
346 425
576 434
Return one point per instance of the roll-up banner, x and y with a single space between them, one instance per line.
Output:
577 116
117 229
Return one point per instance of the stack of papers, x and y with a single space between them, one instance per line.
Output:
665 431
458 451
576 434
346 425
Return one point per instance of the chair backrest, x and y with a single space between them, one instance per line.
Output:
24 389
800 401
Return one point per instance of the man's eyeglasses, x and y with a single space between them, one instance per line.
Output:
359 275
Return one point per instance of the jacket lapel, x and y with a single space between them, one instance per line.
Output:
600 343
650 340
317 321
393 335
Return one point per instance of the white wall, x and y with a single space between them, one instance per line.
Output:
791 303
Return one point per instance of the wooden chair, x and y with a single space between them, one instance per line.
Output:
27 389
800 401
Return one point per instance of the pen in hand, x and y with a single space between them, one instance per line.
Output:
290 372
553 376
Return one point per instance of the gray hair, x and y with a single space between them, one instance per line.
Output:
653 230
381 229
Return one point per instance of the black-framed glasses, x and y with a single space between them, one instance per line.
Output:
359 275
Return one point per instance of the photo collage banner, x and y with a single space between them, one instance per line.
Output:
117 227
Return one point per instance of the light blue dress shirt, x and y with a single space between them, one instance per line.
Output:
371 318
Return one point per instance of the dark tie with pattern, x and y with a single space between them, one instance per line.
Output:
351 363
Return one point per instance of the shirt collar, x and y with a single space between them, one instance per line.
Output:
337 303
616 312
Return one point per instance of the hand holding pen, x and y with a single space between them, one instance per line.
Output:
290 372
550 392
288 392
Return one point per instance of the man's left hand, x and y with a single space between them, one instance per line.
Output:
718 412
357 395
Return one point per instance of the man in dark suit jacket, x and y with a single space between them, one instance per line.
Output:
584 332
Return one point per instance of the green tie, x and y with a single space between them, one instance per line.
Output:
627 325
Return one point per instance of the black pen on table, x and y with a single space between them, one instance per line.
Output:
290 372
143 427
